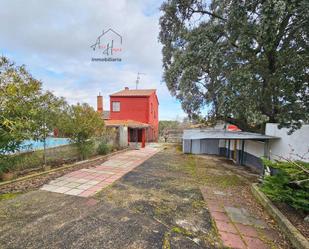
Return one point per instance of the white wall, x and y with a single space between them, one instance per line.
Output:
255 148
222 143
123 136
288 145
196 145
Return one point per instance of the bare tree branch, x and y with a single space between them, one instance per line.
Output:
206 12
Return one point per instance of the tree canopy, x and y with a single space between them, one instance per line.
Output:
19 92
26 112
245 62
81 123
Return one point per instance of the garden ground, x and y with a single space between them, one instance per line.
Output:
158 204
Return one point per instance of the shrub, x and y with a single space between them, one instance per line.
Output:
81 123
85 149
289 185
9 163
103 148
5 164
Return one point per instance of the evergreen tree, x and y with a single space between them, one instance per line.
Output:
245 62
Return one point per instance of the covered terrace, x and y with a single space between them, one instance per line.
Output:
244 148
130 131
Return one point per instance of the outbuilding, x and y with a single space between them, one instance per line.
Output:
244 148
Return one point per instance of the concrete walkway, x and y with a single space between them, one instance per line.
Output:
87 182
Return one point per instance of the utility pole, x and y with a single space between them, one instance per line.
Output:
138 78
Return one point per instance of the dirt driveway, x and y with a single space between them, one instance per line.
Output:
157 205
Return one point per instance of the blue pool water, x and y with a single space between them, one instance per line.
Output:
50 142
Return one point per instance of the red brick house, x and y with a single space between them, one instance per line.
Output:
137 110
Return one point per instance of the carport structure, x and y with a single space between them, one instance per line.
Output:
130 131
244 148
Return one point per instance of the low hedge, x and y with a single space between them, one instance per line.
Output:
290 183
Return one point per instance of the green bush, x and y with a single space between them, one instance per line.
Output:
289 185
103 148
86 149
6 163
10 163
34 159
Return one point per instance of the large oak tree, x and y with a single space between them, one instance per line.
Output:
245 62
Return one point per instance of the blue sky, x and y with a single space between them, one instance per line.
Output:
53 38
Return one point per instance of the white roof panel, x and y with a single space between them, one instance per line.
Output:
223 134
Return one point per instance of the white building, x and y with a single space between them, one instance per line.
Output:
293 147
247 148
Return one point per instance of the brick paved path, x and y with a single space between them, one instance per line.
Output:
86 182
237 227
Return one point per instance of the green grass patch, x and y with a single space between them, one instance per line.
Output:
223 181
8 196
179 148
198 204
182 231
186 164
166 241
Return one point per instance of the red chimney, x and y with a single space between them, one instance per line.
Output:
126 88
100 103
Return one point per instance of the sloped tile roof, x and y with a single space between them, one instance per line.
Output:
127 122
106 114
138 92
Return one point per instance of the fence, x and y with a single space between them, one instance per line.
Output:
27 161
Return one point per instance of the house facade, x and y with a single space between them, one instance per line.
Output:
135 112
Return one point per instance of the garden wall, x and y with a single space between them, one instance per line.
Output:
291 146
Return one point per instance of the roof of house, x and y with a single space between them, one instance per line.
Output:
223 134
106 114
137 92
129 123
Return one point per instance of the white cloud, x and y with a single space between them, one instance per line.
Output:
53 39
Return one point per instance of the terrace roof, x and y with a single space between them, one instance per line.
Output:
223 134
129 123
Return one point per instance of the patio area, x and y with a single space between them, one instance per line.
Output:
170 200
87 182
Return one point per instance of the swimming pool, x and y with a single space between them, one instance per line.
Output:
51 142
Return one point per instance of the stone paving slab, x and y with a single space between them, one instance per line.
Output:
237 227
242 216
87 182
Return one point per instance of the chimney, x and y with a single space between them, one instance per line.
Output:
100 103
126 88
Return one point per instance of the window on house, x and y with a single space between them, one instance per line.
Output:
116 106
154 114
151 108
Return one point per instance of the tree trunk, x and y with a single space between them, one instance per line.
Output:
44 152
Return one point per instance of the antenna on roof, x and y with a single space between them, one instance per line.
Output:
138 78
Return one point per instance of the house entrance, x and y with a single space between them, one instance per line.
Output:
135 135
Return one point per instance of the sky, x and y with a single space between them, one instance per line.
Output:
53 39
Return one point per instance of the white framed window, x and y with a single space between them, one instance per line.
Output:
116 106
